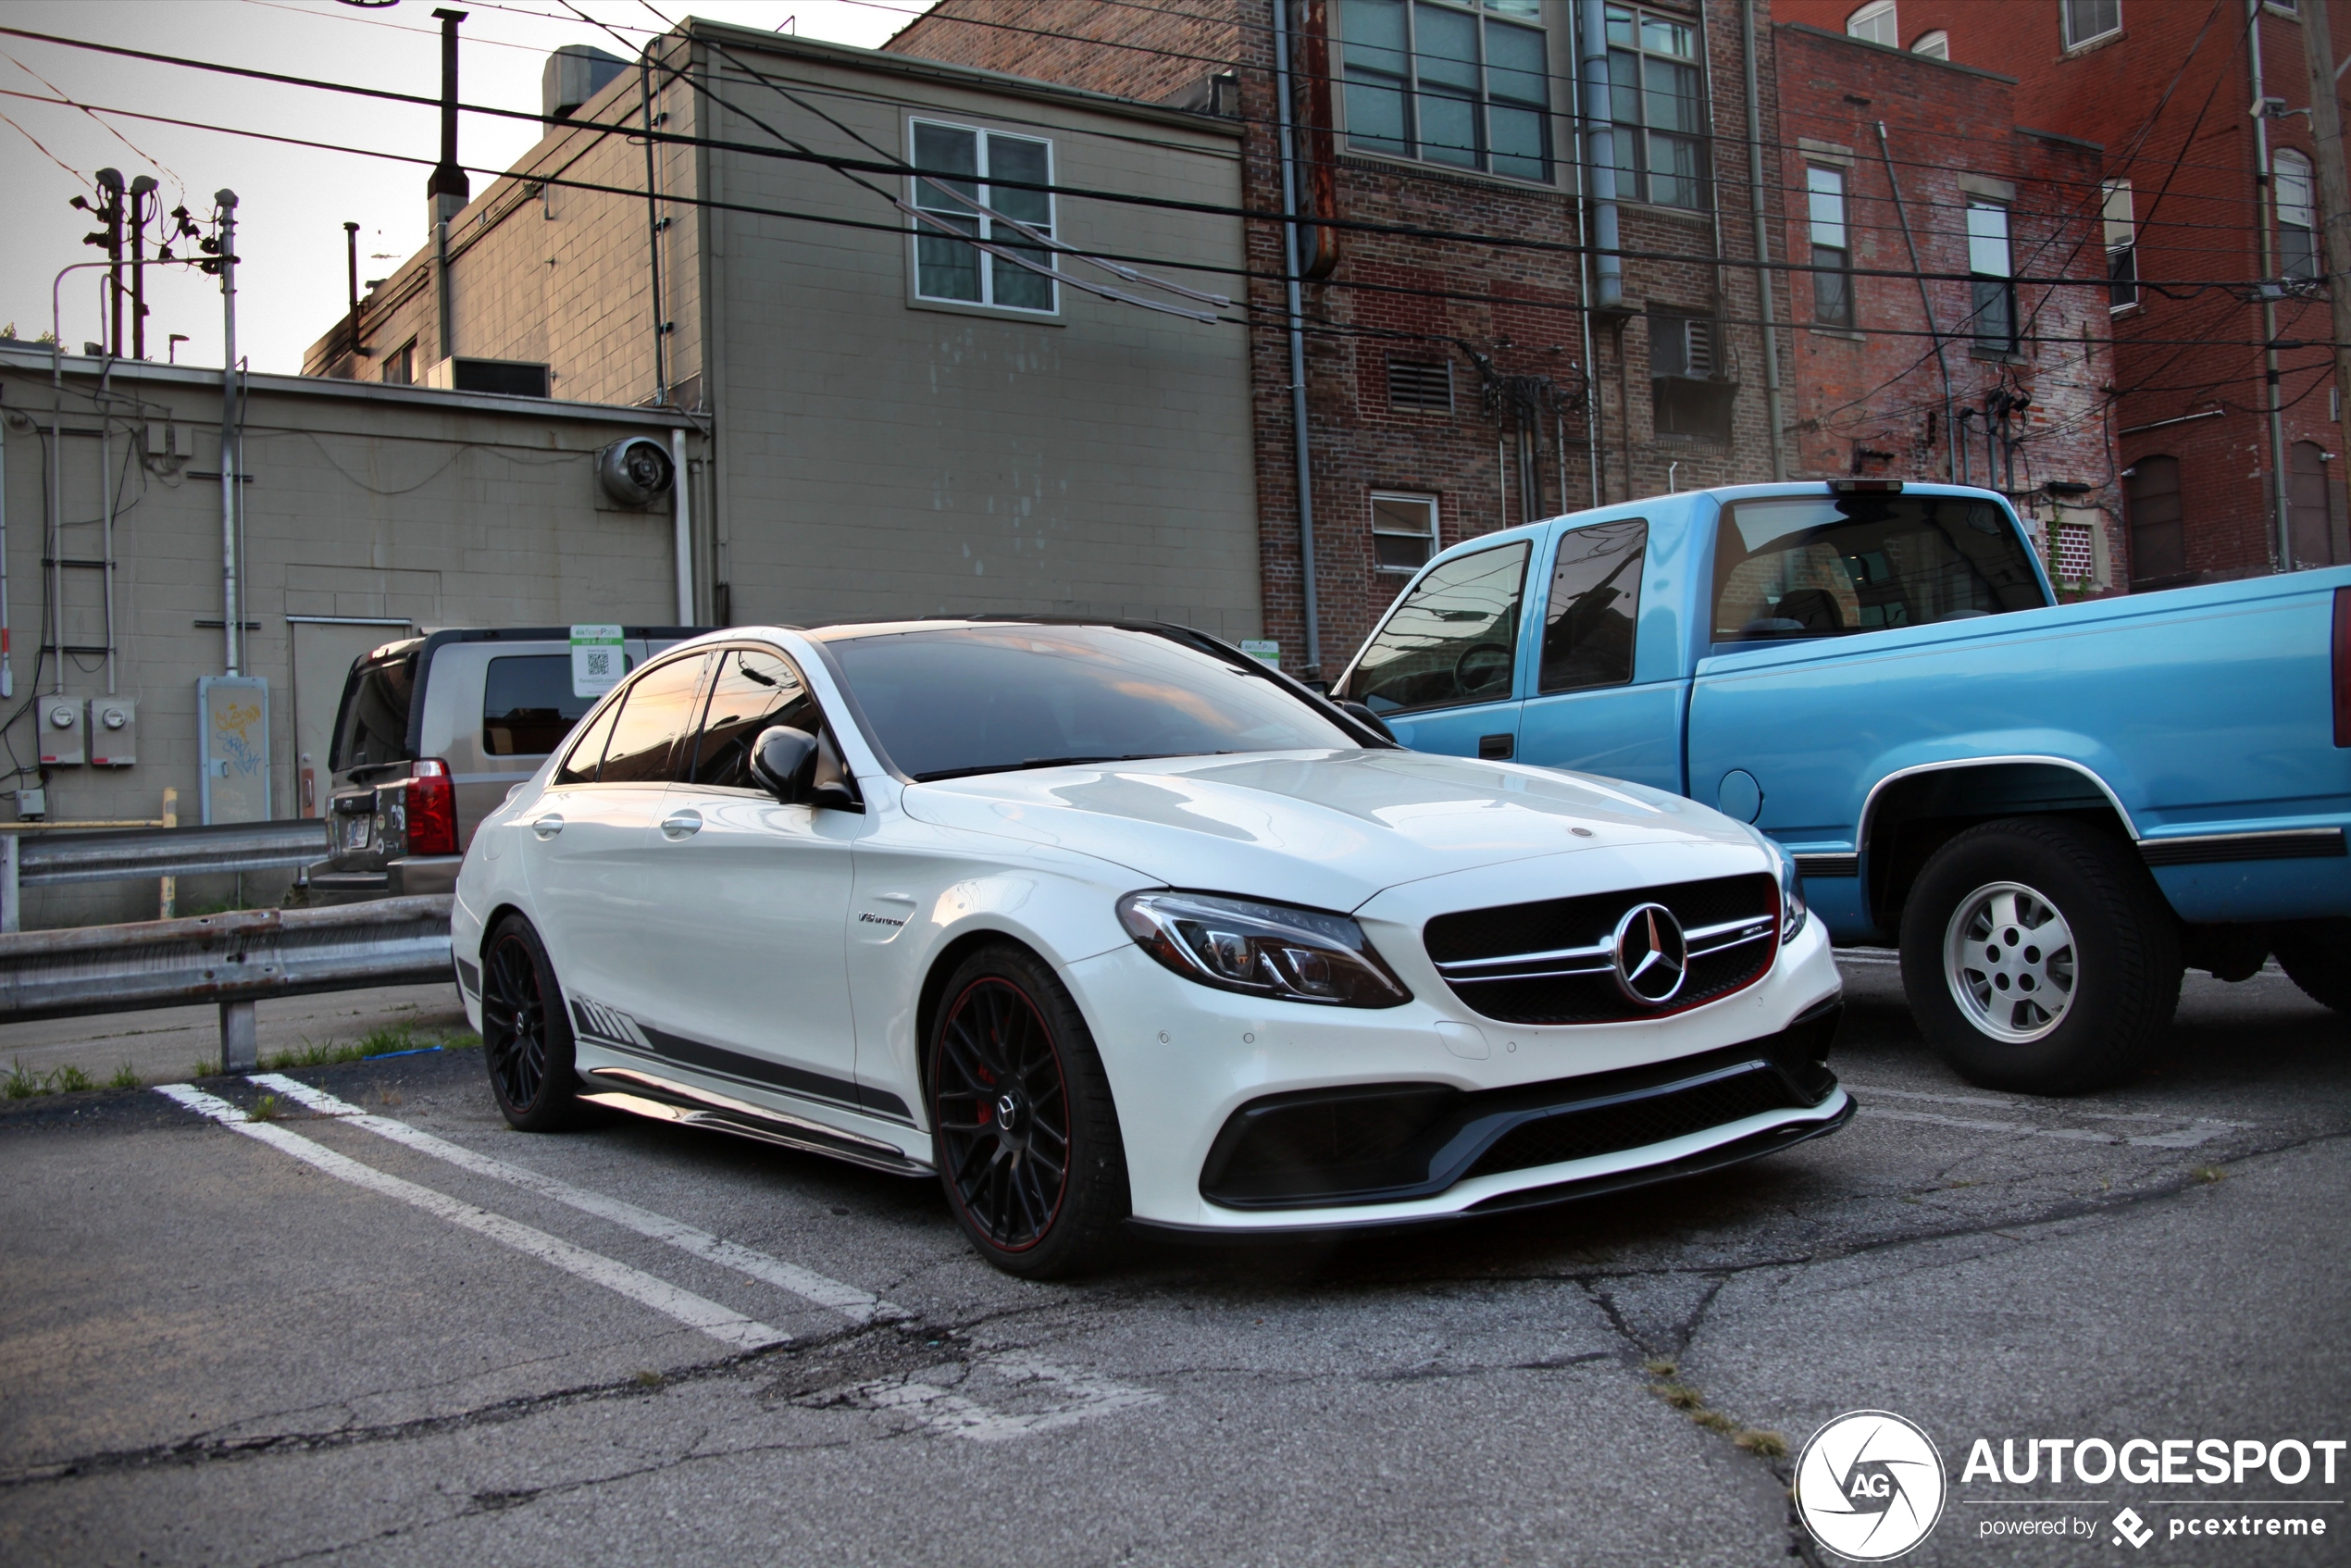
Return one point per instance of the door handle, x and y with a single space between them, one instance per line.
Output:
679 825
1495 748
548 826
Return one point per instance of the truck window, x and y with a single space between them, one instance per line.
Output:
1453 639
1596 600
373 725
527 705
1831 566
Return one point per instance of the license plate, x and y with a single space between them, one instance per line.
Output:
354 830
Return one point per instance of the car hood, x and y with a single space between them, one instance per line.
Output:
1324 829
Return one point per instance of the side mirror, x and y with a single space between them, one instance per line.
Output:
1364 715
779 760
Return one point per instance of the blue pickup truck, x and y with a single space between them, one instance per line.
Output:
2052 808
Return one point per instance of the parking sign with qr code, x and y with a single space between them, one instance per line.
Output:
597 660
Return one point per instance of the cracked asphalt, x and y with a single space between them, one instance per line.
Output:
213 1353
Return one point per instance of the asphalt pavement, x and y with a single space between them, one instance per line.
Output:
379 1326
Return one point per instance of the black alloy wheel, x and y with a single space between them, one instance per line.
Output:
1027 1137
526 1035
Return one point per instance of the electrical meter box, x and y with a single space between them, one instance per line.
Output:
114 731
62 734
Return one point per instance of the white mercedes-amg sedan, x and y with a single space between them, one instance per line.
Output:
1113 925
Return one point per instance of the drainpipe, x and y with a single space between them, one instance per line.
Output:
1958 452
1599 142
684 526
1287 152
2265 196
1771 412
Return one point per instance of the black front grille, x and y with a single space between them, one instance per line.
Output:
1590 919
1635 1124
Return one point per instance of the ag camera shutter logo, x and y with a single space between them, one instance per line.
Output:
1869 1485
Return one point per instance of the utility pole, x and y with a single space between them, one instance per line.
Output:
225 260
447 190
350 258
144 202
2335 197
110 182
2265 206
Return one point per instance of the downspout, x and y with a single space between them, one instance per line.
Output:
683 525
2265 198
1957 436
1600 143
1287 152
1772 410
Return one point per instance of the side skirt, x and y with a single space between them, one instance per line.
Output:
665 1100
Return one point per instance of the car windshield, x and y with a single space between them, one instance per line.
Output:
988 699
1831 566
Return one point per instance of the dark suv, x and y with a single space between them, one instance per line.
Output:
431 734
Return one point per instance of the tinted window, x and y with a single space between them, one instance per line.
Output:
992 698
588 751
752 691
1595 602
374 727
655 711
527 705
1453 639
1830 566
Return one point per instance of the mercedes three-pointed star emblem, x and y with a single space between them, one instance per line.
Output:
1651 956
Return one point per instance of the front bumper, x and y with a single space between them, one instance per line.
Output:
1184 1060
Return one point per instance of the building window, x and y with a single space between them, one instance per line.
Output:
400 364
1689 394
1993 274
2086 19
2122 246
1657 107
1875 23
1455 83
1935 45
1403 531
1413 383
2297 225
948 269
1832 289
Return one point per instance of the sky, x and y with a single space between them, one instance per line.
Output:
292 202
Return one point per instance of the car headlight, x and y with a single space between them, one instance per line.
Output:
1261 949
1791 896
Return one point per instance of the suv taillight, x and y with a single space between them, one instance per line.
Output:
2342 667
432 810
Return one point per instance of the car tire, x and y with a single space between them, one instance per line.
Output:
526 1031
2075 1009
1023 1127
2316 955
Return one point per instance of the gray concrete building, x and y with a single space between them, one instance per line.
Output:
898 422
368 512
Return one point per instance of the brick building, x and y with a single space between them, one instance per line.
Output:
1907 163
1455 386
2201 203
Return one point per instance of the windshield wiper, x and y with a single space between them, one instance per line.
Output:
936 775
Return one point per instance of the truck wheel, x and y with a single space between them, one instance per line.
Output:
2039 957
2316 955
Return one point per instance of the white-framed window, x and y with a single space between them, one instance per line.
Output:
1992 271
1876 23
1403 531
1465 83
2122 247
1935 45
948 269
2084 20
1657 101
2297 217
1832 289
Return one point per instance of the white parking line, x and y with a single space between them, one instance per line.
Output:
858 1306
723 1323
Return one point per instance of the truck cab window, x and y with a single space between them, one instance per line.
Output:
1830 566
1452 641
1595 602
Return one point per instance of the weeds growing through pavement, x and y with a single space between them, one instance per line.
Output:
22 1083
2208 1172
125 1077
268 1108
1762 1445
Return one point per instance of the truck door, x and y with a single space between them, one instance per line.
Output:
1443 671
1591 709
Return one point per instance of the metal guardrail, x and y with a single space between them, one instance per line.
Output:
35 860
233 959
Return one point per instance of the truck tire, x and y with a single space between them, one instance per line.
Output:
2316 955
2039 957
